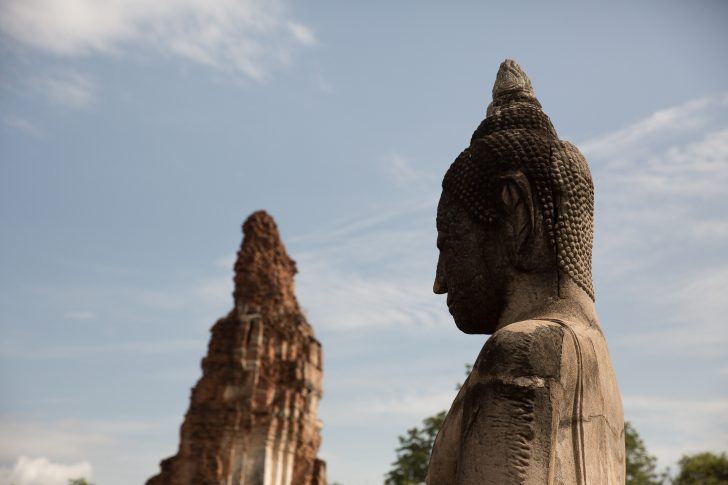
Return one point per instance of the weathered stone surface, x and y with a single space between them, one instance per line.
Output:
252 416
541 405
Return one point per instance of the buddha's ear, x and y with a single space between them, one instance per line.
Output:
515 197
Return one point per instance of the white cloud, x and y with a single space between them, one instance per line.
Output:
672 427
60 440
660 187
640 136
401 169
711 230
79 315
371 272
408 408
365 223
225 262
697 304
702 296
41 471
339 300
208 295
660 172
22 125
302 33
403 173
698 169
680 339
122 451
69 88
322 83
214 292
78 351
247 37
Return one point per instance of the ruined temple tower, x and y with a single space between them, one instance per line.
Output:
252 416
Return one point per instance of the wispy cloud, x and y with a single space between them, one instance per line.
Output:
121 451
79 315
695 169
365 223
660 228
22 125
409 407
225 262
23 351
371 272
322 83
697 299
660 184
710 230
41 471
638 137
69 88
403 172
246 37
684 425
60 440
302 33
342 301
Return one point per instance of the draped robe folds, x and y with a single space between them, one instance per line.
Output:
541 406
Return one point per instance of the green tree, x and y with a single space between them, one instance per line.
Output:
640 464
702 469
413 454
78 481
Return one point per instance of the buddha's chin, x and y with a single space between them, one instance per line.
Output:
472 322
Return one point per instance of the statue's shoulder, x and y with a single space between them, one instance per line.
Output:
527 348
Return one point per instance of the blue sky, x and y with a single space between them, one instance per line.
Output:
135 139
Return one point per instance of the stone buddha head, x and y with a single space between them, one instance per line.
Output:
516 211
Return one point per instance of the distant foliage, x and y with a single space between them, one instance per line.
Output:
79 481
468 370
640 464
413 454
703 469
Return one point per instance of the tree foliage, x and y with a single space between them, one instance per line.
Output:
640 464
413 454
703 469
78 481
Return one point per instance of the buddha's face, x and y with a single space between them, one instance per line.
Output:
471 267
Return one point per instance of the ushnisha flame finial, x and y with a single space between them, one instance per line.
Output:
511 79
511 85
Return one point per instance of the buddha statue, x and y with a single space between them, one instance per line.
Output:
515 229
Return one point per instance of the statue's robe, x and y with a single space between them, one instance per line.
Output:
541 406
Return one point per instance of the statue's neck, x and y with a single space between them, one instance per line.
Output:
532 296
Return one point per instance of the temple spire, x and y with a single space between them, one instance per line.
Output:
263 270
